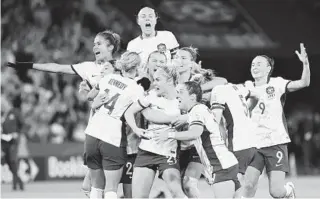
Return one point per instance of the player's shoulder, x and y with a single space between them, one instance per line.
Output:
248 84
199 109
134 42
220 88
276 79
165 33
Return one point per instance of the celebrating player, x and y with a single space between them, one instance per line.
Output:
204 131
272 132
153 156
155 60
105 143
150 38
229 101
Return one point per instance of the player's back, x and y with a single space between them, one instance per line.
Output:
239 125
268 113
107 121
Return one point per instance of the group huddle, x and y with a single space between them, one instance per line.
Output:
155 110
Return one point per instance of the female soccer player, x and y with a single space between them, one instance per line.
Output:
150 38
204 130
154 156
184 61
155 60
105 142
272 132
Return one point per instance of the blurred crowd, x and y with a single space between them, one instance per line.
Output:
63 32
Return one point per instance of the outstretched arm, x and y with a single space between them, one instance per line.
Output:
304 81
48 67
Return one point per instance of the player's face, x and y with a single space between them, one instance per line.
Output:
183 97
182 60
162 48
160 81
156 60
107 69
100 47
147 20
260 67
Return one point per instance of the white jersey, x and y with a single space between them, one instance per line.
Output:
89 71
169 107
239 126
268 113
213 148
106 123
145 46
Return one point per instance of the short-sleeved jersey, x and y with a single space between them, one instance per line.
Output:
213 144
145 46
268 113
239 126
170 108
89 71
107 122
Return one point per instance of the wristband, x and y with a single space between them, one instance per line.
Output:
24 65
172 135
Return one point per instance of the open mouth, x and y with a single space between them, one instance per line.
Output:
148 25
97 53
255 71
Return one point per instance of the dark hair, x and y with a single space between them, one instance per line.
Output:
156 14
194 88
270 63
113 38
193 52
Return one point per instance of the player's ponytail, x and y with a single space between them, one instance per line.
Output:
113 38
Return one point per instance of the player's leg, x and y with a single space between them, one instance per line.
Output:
86 184
13 163
191 178
169 171
126 179
252 174
143 174
113 161
94 163
277 164
244 158
226 182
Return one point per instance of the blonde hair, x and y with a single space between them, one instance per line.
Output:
128 61
193 52
170 73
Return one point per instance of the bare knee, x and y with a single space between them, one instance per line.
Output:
190 186
249 186
277 191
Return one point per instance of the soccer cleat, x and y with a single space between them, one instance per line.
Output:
291 194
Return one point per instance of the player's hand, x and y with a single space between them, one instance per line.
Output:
302 55
15 135
99 101
142 133
180 121
160 136
20 65
84 87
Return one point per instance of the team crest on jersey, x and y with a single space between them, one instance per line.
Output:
271 92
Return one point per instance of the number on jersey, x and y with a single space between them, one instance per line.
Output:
262 107
111 102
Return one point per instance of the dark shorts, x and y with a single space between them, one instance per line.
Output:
244 158
187 156
102 155
155 162
84 159
274 158
228 174
128 169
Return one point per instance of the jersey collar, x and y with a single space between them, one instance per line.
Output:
154 35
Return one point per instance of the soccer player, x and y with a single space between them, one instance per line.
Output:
155 60
153 156
272 132
10 132
105 141
229 101
150 38
203 130
190 164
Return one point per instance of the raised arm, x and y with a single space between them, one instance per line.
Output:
304 81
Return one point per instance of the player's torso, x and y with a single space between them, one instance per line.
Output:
148 45
169 107
268 115
239 125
